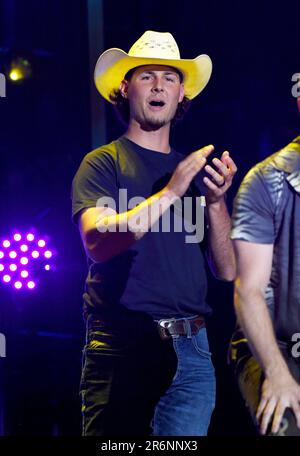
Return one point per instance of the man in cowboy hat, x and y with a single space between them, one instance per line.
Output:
147 360
265 349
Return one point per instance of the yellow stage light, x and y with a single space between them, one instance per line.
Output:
15 75
19 70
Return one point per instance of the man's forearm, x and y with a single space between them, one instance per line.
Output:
221 252
255 320
115 233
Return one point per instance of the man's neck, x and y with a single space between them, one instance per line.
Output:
157 140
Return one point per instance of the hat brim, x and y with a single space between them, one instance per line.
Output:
113 65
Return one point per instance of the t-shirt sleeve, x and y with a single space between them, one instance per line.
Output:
96 178
254 210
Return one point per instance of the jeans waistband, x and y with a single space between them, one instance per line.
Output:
169 327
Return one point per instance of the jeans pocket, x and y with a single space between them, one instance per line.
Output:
200 344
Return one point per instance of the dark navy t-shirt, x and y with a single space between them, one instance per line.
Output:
161 274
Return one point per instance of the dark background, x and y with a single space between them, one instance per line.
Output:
45 130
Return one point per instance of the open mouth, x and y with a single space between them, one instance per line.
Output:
157 104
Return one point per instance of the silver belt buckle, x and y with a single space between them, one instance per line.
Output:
163 327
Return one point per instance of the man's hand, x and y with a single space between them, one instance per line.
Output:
186 170
279 392
221 179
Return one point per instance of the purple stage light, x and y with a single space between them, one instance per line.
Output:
23 258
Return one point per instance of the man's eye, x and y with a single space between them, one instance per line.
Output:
170 79
146 77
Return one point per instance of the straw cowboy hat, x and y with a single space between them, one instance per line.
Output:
151 48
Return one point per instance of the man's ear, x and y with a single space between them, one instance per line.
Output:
124 88
181 95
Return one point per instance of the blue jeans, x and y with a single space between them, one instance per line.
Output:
131 377
186 407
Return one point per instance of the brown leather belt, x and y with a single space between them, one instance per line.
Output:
172 327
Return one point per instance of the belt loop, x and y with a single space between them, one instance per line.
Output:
188 328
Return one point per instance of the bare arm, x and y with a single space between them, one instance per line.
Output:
105 233
279 390
221 254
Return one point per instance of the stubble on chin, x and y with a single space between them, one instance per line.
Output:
153 122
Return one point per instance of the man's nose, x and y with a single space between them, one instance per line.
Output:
157 85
